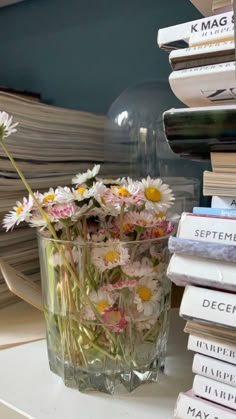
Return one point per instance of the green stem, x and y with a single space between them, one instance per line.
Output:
53 233
122 211
31 193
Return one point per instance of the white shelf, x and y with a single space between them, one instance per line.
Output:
28 387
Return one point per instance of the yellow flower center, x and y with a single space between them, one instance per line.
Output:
112 256
160 215
19 210
152 194
159 232
144 293
123 192
102 305
81 190
49 197
127 227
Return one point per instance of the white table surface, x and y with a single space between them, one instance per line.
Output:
28 389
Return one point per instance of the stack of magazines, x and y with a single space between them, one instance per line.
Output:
50 146
204 250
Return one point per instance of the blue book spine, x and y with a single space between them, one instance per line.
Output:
222 212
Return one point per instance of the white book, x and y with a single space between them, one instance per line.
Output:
213 84
202 55
214 348
211 306
223 202
215 391
207 228
177 36
215 369
212 36
189 406
184 269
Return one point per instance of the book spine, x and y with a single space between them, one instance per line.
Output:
207 85
186 125
174 37
215 211
206 305
215 391
207 228
215 369
188 406
223 202
202 55
212 348
193 269
212 36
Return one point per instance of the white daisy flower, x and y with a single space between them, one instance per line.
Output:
64 194
48 198
81 211
142 219
37 221
128 193
110 181
57 260
21 212
139 269
6 126
157 195
62 211
110 255
147 294
79 194
81 178
100 235
102 301
98 191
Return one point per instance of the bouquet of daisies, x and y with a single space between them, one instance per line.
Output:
103 252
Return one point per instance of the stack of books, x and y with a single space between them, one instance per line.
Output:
221 183
203 60
203 260
50 146
204 249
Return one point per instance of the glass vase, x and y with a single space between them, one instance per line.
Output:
106 311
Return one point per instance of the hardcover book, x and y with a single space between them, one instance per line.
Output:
214 53
196 132
206 85
189 406
202 249
210 306
211 331
213 348
224 162
219 184
220 212
223 202
174 37
215 391
212 36
216 369
184 269
207 228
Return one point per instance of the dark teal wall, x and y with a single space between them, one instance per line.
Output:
83 53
